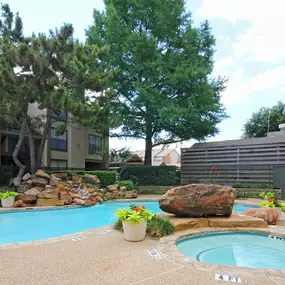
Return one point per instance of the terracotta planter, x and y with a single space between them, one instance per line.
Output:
8 202
134 232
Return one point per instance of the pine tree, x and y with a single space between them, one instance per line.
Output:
51 71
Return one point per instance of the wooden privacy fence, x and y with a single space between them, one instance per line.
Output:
228 175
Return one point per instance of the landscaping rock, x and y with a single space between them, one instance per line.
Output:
59 175
78 201
89 203
123 188
98 199
49 194
90 179
66 198
75 195
198 200
22 188
130 194
269 215
40 173
53 182
39 182
19 204
112 187
77 178
28 199
40 188
49 202
26 177
33 191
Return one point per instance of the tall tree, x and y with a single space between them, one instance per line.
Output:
265 120
49 70
162 67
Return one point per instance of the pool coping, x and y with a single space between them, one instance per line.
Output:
167 246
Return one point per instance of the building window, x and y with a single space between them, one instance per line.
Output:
95 144
58 142
58 163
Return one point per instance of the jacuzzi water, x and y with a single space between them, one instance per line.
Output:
33 225
236 249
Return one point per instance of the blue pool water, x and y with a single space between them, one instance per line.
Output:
33 225
236 249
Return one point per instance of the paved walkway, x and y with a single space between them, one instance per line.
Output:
104 258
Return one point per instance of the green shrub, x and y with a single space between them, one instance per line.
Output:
262 186
160 226
127 183
106 177
151 175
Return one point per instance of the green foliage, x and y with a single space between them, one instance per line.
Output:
160 226
257 125
8 194
162 71
157 226
257 186
118 225
119 155
106 177
152 175
127 183
52 70
262 195
244 195
267 203
270 195
134 214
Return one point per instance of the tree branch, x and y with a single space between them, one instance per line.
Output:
169 141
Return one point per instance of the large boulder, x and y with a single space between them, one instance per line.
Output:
60 175
90 179
28 199
33 191
130 194
198 200
42 182
269 215
40 173
49 194
78 201
66 198
26 177
112 188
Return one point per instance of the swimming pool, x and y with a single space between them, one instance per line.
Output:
236 249
33 225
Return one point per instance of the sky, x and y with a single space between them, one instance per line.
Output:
250 50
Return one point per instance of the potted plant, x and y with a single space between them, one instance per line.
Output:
8 198
134 222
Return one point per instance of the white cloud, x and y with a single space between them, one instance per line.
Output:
240 88
263 40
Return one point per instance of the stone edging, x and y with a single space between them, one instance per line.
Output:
167 247
84 234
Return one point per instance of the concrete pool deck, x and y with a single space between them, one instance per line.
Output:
103 257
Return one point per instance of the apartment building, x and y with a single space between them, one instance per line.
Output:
78 147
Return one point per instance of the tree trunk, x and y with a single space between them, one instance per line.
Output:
148 141
17 181
32 152
44 138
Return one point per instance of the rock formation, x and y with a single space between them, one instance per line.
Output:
198 200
